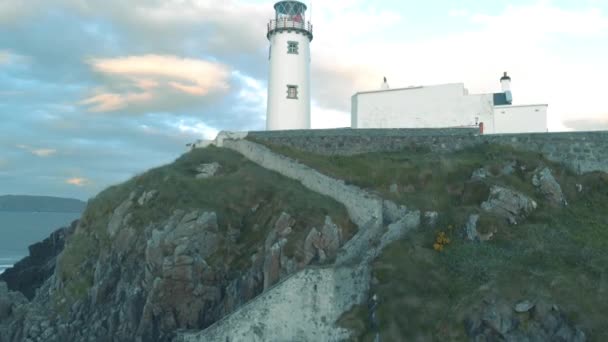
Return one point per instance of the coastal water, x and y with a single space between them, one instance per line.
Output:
19 230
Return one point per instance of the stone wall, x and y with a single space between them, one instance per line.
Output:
581 151
361 206
304 307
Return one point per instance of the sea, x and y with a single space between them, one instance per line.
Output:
18 230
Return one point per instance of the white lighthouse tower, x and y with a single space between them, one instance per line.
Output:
289 79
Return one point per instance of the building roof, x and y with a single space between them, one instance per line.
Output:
525 105
407 88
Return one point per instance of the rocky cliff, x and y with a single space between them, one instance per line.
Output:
27 275
176 248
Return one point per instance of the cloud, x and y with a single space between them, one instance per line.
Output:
528 41
151 65
77 181
328 118
39 152
157 77
543 18
202 75
107 102
4 57
591 124
198 129
460 12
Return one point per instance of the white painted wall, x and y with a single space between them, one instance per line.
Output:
283 113
420 107
520 119
304 307
505 85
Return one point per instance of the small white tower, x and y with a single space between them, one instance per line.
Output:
505 83
384 85
289 77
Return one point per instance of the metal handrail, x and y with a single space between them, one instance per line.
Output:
278 24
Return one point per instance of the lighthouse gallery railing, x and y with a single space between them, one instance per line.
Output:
288 24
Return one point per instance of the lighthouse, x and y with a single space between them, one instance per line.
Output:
289 34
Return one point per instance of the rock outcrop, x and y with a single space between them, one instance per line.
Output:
9 300
207 170
392 212
431 218
27 275
324 244
549 187
510 204
498 320
470 228
146 197
480 174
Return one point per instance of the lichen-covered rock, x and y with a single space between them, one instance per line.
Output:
120 216
398 229
510 204
275 262
496 320
431 218
549 187
471 228
310 250
480 174
9 300
207 170
146 197
392 212
393 188
509 168
27 275
322 245
331 238
524 306
473 232
272 263
177 272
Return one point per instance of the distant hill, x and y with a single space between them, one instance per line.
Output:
21 203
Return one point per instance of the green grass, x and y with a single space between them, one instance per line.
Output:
239 186
562 259
557 253
427 180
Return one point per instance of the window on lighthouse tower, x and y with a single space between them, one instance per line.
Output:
292 47
292 91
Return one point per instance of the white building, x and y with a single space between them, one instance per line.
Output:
289 78
448 105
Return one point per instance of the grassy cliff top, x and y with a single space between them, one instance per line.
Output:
558 254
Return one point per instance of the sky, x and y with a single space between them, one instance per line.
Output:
94 92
